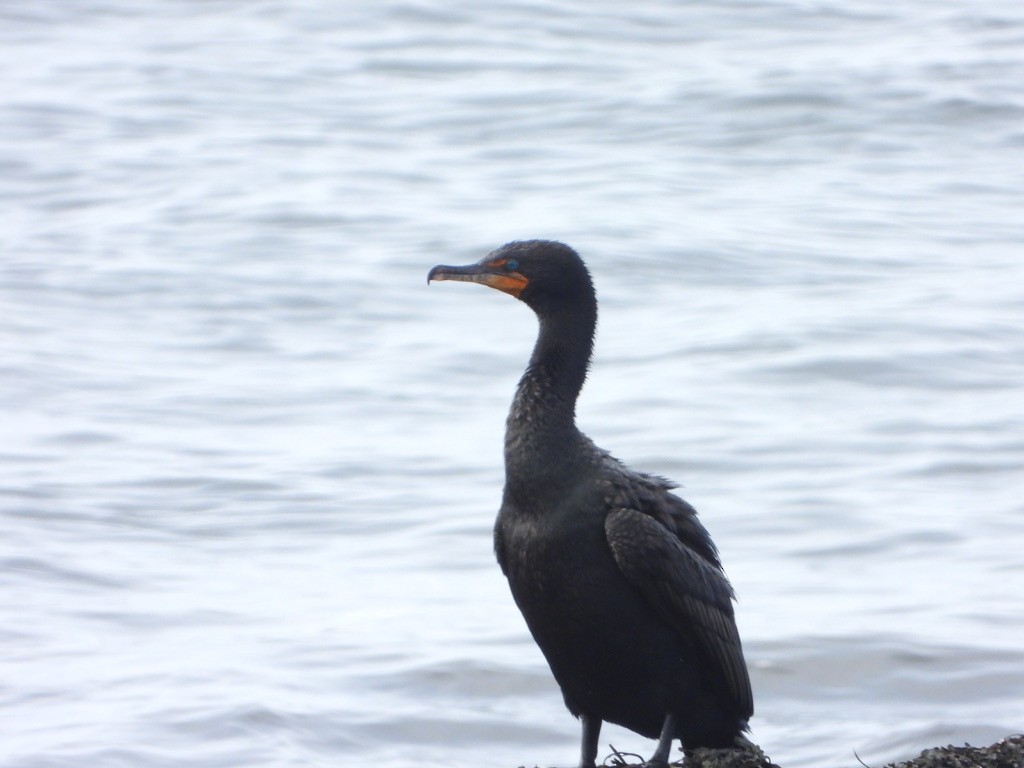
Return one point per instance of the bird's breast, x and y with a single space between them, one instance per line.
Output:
558 562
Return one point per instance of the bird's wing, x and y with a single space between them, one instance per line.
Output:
687 589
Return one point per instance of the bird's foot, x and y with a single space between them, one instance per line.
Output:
588 743
660 757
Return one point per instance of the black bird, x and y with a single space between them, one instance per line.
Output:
618 581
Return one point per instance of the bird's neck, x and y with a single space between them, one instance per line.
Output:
541 434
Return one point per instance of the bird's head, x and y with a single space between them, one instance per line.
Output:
544 274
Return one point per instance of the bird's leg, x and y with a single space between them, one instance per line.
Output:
668 732
588 744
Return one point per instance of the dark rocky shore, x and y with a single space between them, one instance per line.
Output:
1008 753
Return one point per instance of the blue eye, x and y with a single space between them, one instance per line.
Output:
511 264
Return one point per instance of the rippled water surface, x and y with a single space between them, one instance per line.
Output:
249 462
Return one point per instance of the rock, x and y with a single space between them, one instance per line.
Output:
1008 753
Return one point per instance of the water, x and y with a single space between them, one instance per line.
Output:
249 461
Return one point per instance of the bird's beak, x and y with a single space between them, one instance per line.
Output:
490 273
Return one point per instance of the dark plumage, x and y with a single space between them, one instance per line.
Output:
617 579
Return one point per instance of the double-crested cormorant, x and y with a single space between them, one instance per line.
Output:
618 581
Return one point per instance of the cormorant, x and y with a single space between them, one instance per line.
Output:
619 582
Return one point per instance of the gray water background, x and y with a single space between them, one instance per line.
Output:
249 461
